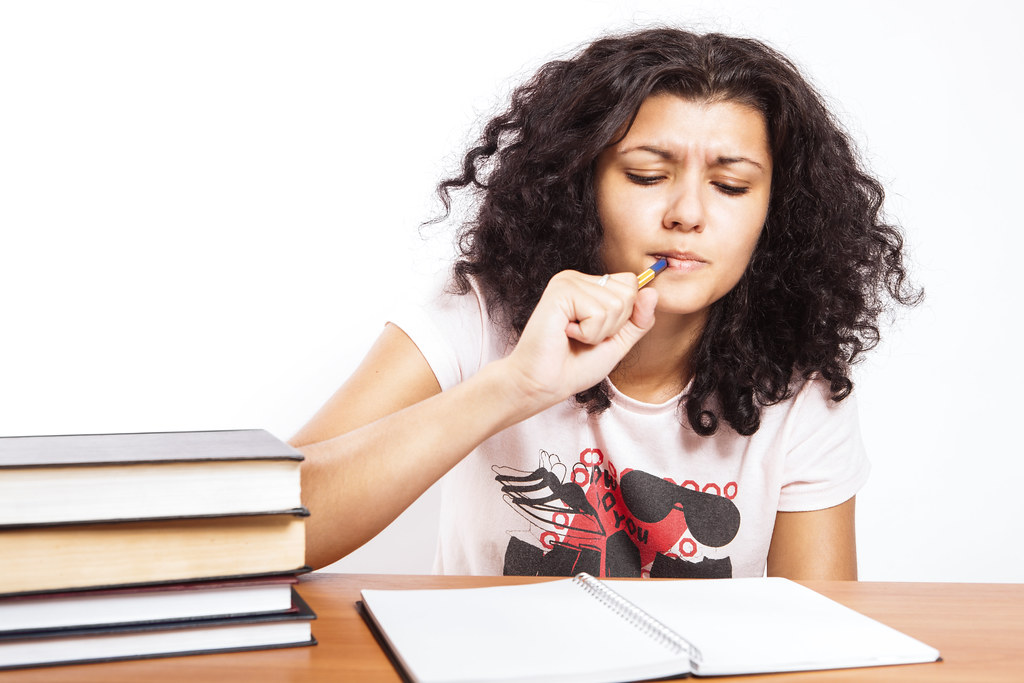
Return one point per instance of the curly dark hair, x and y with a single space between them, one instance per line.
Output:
826 265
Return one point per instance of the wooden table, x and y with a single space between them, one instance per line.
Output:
979 628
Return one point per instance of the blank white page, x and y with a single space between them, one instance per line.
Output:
761 625
551 631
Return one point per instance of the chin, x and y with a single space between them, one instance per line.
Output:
680 307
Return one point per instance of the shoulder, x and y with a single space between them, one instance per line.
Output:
809 402
825 459
811 425
453 331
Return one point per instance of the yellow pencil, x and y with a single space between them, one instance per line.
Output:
648 275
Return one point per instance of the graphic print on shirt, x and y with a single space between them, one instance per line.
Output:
592 518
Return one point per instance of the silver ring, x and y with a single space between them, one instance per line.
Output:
603 280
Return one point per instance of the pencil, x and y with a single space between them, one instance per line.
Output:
648 275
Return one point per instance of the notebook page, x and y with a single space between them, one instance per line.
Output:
551 631
765 625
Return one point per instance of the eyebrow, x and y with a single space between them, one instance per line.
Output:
669 156
725 161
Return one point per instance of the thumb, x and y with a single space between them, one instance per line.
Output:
643 309
642 319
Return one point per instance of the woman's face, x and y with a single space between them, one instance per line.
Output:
689 182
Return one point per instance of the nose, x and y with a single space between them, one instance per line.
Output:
685 210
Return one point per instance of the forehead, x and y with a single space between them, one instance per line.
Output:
682 126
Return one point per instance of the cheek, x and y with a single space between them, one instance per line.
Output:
744 251
739 244
750 223
747 240
616 213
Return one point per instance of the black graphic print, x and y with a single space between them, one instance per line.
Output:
593 519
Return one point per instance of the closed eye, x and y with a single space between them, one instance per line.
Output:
731 189
644 179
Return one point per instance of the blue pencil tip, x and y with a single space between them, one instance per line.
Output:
660 265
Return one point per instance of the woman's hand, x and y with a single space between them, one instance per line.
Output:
578 333
390 432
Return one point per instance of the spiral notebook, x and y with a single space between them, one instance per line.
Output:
585 629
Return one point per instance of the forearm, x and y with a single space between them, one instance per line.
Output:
357 483
389 432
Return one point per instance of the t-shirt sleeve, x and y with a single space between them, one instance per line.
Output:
825 461
449 331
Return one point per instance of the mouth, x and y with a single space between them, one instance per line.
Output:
681 260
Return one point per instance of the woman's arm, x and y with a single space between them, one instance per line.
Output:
389 432
384 437
819 544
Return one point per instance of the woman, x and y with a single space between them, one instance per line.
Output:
701 426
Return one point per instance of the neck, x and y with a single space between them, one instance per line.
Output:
660 365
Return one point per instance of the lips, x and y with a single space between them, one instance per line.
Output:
682 260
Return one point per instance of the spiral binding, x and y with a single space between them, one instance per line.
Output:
637 617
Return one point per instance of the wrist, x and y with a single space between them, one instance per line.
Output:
517 395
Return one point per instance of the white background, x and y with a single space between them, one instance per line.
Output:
208 209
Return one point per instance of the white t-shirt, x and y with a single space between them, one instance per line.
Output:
631 491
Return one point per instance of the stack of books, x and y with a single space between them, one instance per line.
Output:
120 546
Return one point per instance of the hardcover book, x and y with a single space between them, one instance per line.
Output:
147 603
61 557
289 628
108 477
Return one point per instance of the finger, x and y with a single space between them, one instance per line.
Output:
593 323
641 320
643 309
596 316
617 299
619 282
